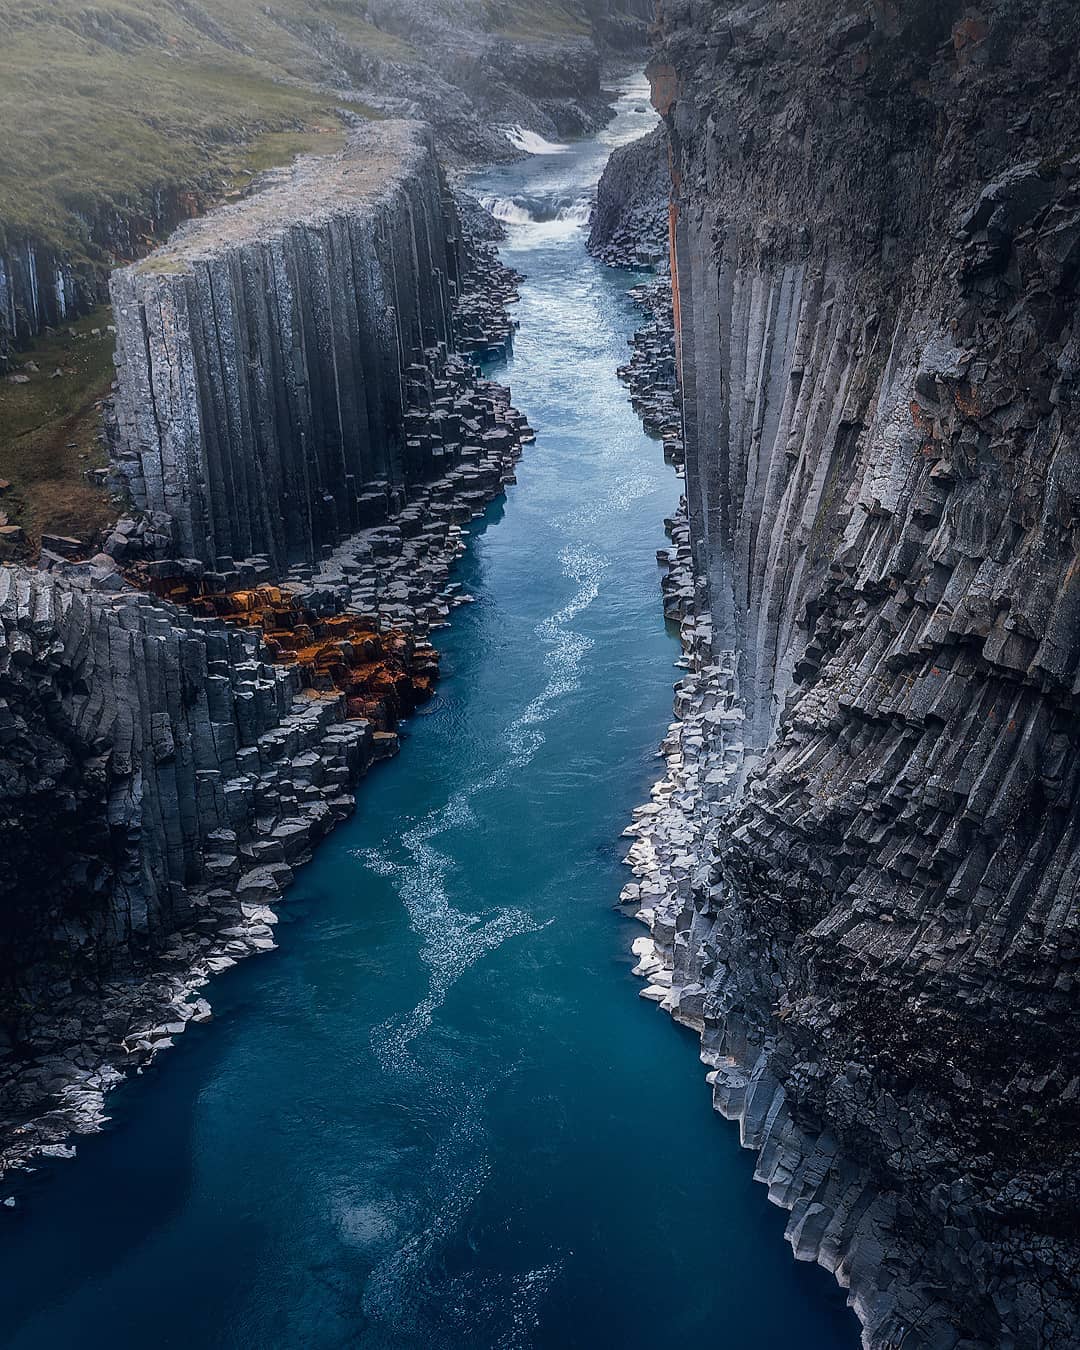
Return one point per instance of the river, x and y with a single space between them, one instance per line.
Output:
440 1115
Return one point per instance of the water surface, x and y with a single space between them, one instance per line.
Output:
439 1115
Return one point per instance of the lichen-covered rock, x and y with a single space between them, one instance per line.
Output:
877 246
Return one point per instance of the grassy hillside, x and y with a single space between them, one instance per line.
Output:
103 103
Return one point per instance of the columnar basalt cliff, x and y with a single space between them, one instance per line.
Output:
629 225
265 352
204 90
876 253
178 725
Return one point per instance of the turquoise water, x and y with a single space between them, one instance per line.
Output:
439 1115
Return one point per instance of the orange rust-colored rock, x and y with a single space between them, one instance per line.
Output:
664 83
384 676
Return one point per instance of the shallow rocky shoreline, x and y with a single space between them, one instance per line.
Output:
650 372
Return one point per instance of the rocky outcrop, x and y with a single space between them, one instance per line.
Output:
629 225
487 65
650 373
177 732
264 354
860 873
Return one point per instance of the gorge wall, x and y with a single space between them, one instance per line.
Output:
629 225
876 250
178 725
264 353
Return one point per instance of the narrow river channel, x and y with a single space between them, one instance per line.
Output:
439 1115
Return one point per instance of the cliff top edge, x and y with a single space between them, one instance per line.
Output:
377 158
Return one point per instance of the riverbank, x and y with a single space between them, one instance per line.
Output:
433 1115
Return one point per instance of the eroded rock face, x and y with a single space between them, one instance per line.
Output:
877 243
41 286
263 353
622 24
629 226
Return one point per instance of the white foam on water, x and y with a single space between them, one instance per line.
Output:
453 940
534 221
408 1294
528 1291
363 1225
405 1284
566 651
531 142
637 117
508 211
401 1289
578 212
623 492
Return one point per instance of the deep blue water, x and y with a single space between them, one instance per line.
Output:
439 1115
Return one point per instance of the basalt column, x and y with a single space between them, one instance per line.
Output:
876 249
264 352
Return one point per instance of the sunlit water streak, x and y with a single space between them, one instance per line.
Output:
439 1118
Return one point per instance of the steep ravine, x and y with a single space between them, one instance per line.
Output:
437 1116
861 870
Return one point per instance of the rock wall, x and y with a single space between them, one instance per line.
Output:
877 242
163 769
133 742
42 286
629 225
263 354
622 24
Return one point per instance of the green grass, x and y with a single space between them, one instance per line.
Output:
552 20
49 431
101 105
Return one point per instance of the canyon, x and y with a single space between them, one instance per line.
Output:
178 729
858 872
844 252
